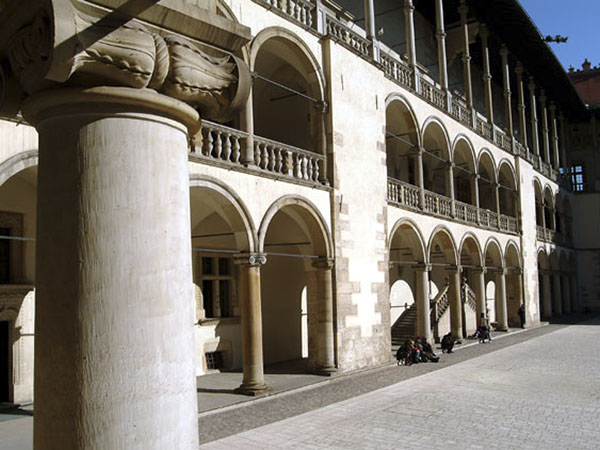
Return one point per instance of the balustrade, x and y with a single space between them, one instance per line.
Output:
461 112
220 142
432 93
402 193
438 204
299 10
343 34
540 234
397 70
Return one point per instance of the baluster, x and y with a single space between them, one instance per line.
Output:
227 147
309 168
265 157
218 145
235 157
278 160
257 153
316 170
208 143
305 168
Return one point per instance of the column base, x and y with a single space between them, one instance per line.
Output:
325 371
252 390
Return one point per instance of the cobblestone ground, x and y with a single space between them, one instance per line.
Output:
541 393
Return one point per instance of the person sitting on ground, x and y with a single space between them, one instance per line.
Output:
408 354
447 343
427 353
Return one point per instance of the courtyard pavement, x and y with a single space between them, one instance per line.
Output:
542 393
534 389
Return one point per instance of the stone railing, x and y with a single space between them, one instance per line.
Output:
502 140
488 219
439 305
432 93
287 160
343 34
220 142
508 223
438 204
461 112
540 235
298 10
402 193
483 128
520 150
469 297
465 212
225 145
397 70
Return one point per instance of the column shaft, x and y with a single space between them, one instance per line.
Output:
466 58
556 295
487 74
423 309
545 131
409 10
456 325
555 142
420 177
441 41
480 292
450 187
247 119
325 360
535 143
252 355
507 92
370 28
501 308
564 144
114 352
521 104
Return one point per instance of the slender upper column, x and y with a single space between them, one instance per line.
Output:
325 359
497 193
487 74
476 177
507 92
521 105
252 346
535 143
555 142
420 175
450 186
545 130
456 324
409 11
466 56
501 308
564 144
557 294
441 40
423 307
370 27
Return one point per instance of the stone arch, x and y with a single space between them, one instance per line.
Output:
465 168
470 245
417 245
17 163
402 135
493 247
507 188
280 56
486 169
231 207
436 142
494 263
449 249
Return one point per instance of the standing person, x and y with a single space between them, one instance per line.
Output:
522 314
484 329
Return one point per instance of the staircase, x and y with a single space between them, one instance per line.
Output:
405 326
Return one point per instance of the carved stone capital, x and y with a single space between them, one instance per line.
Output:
250 259
72 43
323 263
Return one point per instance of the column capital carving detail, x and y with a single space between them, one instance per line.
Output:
250 259
323 263
422 267
61 41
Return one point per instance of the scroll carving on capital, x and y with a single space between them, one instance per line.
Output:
96 48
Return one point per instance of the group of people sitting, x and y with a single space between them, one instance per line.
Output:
418 351
414 352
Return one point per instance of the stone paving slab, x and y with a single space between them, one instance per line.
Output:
543 393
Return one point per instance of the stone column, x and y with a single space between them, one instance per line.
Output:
456 325
476 189
411 49
370 28
247 122
450 187
253 382
548 310
441 41
564 143
322 109
566 293
325 361
114 352
423 309
521 105
555 143
487 75
420 176
497 192
557 297
466 58
480 291
545 134
501 308
507 92
535 143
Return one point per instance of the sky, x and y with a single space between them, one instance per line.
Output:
577 19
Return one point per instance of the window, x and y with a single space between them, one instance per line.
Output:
216 281
214 360
577 178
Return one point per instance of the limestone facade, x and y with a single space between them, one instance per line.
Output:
225 185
